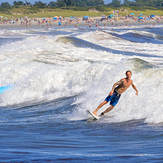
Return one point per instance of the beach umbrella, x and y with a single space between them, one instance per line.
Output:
110 16
5 18
55 18
141 18
71 17
26 17
141 14
86 16
152 16
132 13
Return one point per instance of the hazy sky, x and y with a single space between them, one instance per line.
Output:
44 1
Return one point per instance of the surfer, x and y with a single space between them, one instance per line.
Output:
115 94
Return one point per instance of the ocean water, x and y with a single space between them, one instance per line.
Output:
58 74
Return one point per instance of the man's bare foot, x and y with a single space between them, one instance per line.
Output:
95 113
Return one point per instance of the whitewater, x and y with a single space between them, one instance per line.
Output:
58 74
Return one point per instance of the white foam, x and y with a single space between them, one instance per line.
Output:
147 105
109 41
46 68
143 33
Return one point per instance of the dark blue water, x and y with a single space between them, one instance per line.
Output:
42 133
151 35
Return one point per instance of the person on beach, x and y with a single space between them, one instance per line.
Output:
115 94
59 23
26 23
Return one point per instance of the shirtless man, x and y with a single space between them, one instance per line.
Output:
115 94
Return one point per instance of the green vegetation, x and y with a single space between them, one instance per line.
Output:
138 3
146 12
79 8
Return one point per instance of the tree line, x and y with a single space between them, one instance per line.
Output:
58 3
138 3
85 3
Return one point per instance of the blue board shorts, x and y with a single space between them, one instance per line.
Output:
114 98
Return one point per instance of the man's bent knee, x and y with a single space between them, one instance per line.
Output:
112 106
105 102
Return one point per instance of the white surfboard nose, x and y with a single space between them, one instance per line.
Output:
93 115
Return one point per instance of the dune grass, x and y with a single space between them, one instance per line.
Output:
44 13
62 14
144 12
48 12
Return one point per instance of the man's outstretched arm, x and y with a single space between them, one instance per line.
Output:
135 88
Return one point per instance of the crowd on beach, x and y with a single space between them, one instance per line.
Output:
84 21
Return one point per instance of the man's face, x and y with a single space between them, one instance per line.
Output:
128 75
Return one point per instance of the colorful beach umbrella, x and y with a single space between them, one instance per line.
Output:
141 14
85 16
110 16
141 18
26 17
152 16
132 13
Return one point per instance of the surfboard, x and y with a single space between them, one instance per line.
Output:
5 88
93 115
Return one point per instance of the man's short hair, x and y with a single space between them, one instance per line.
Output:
128 71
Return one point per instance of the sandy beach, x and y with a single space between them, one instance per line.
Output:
67 22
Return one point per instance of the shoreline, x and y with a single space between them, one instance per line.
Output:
79 23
